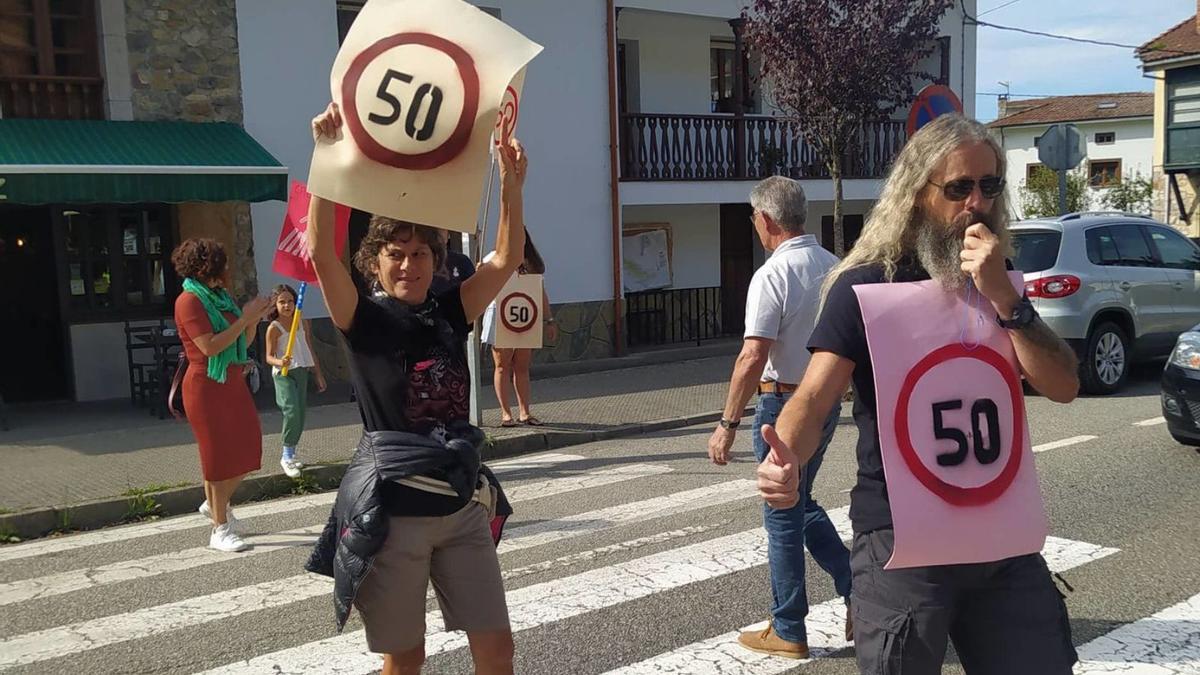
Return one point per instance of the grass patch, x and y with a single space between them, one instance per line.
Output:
5 512
306 484
154 487
64 520
8 535
142 506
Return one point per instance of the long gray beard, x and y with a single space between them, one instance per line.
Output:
938 250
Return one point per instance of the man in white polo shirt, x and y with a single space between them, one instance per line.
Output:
781 310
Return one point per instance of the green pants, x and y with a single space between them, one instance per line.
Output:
291 395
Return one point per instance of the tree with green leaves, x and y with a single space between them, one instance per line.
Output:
1132 194
1039 194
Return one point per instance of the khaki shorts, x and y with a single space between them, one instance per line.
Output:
456 553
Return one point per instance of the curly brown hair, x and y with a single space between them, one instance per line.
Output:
383 231
200 258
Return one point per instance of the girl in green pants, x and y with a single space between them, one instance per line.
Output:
291 391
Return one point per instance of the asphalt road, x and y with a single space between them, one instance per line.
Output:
610 568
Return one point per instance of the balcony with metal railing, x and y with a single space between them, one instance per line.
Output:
666 147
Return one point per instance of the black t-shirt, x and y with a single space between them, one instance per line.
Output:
840 330
409 366
459 268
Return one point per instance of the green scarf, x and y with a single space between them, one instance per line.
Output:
216 301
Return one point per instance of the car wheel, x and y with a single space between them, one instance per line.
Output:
1105 360
1185 441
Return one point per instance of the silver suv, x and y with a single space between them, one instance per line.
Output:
1118 287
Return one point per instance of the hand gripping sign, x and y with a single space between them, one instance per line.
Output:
291 252
519 313
420 84
961 480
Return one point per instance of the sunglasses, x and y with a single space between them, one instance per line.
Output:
958 190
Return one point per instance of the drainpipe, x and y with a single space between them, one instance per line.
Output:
614 180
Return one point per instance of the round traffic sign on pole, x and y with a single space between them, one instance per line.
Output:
932 102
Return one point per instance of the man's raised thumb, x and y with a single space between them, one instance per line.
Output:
780 454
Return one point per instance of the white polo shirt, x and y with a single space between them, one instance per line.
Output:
782 304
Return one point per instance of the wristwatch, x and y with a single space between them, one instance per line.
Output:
1023 314
730 424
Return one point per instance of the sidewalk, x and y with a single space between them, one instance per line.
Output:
64 454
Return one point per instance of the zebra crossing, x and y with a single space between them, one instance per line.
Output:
595 541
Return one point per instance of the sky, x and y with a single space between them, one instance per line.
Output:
1038 65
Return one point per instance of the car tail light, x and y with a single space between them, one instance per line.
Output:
1052 287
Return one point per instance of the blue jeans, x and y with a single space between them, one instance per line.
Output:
790 530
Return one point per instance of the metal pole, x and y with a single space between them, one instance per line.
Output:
1062 193
474 246
473 348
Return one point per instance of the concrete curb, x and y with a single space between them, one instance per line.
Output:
100 513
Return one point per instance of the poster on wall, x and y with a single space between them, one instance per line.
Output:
646 259
422 85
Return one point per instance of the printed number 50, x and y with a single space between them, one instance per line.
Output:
987 450
518 315
414 106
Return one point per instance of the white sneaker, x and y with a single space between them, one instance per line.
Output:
225 539
291 467
230 520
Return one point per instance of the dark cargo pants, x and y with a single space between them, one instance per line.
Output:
1005 617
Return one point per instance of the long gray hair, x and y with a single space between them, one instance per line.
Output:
889 232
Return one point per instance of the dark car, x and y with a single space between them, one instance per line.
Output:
1181 389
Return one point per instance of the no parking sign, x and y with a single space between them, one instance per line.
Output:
422 85
932 102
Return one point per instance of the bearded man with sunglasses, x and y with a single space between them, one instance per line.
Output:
942 217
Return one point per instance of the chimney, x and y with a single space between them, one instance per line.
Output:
1002 102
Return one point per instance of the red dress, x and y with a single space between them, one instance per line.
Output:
223 416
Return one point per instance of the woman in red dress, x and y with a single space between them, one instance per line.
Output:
215 334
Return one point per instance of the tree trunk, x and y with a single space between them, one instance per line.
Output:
835 172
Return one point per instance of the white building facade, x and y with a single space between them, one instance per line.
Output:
1118 131
685 161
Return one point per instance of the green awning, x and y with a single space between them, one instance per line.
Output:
103 162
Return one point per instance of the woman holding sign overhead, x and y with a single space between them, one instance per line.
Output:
416 504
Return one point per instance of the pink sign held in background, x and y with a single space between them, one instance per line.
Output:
961 479
291 251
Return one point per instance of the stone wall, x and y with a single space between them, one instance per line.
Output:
183 65
183 60
1165 202
228 223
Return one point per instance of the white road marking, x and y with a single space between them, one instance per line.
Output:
583 481
1151 422
110 630
128 532
825 626
537 534
537 605
519 537
1165 643
1074 440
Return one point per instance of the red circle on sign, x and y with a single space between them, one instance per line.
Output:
506 120
461 135
950 493
932 102
533 310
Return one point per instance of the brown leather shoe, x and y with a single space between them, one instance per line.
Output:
765 641
849 623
